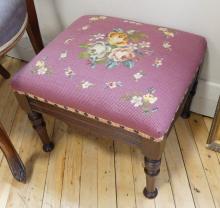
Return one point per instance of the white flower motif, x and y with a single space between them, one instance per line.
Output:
138 75
133 46
99 36
42 71
167 45
86 84
69 72
132 22
113 85
131 31
86 27
41 68
158 62
137 101
149 98
102 17
94 18
97 18
63 55
144 44
163 29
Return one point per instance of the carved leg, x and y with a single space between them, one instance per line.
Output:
33 29
153 152
152 169
186 110
4 72
40 126
15 164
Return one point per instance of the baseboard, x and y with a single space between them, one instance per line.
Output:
206 98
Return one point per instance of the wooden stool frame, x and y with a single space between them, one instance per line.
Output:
152 150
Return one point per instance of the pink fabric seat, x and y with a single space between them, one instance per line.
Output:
129 74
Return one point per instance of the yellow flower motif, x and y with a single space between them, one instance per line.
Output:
41 68
149 98
40 64
96 18
166 32
118 39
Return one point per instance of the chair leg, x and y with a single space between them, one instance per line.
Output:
152 159
152 169
33 29
40 126
16 165
4 72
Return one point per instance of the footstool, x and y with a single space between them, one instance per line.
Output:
117 77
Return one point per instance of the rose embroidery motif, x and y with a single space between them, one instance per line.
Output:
145 102
115 48
41 68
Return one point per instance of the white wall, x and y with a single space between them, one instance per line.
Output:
197 16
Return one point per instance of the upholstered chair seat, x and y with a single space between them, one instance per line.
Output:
13 16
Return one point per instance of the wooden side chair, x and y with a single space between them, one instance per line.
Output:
15 17
120 78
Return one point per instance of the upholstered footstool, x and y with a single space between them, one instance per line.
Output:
117 77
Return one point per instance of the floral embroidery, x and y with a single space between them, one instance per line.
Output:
138 75
113 85
99 36
115 48
144 44
41 68
144 101
63 55
69 72
96 18
132 22
167 45
85 27
67 41
86 84
167 32
158 62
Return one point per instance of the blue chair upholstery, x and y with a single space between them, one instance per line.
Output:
12 17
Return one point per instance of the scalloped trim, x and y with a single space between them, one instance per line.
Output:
91 116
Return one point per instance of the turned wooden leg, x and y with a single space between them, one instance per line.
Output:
152 169
33 29
4 72
40 126
15 164
186 110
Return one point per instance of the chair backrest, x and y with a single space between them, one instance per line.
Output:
12 17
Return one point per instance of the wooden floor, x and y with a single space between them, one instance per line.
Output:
85 171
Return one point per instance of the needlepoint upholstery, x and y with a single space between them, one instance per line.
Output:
127 73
